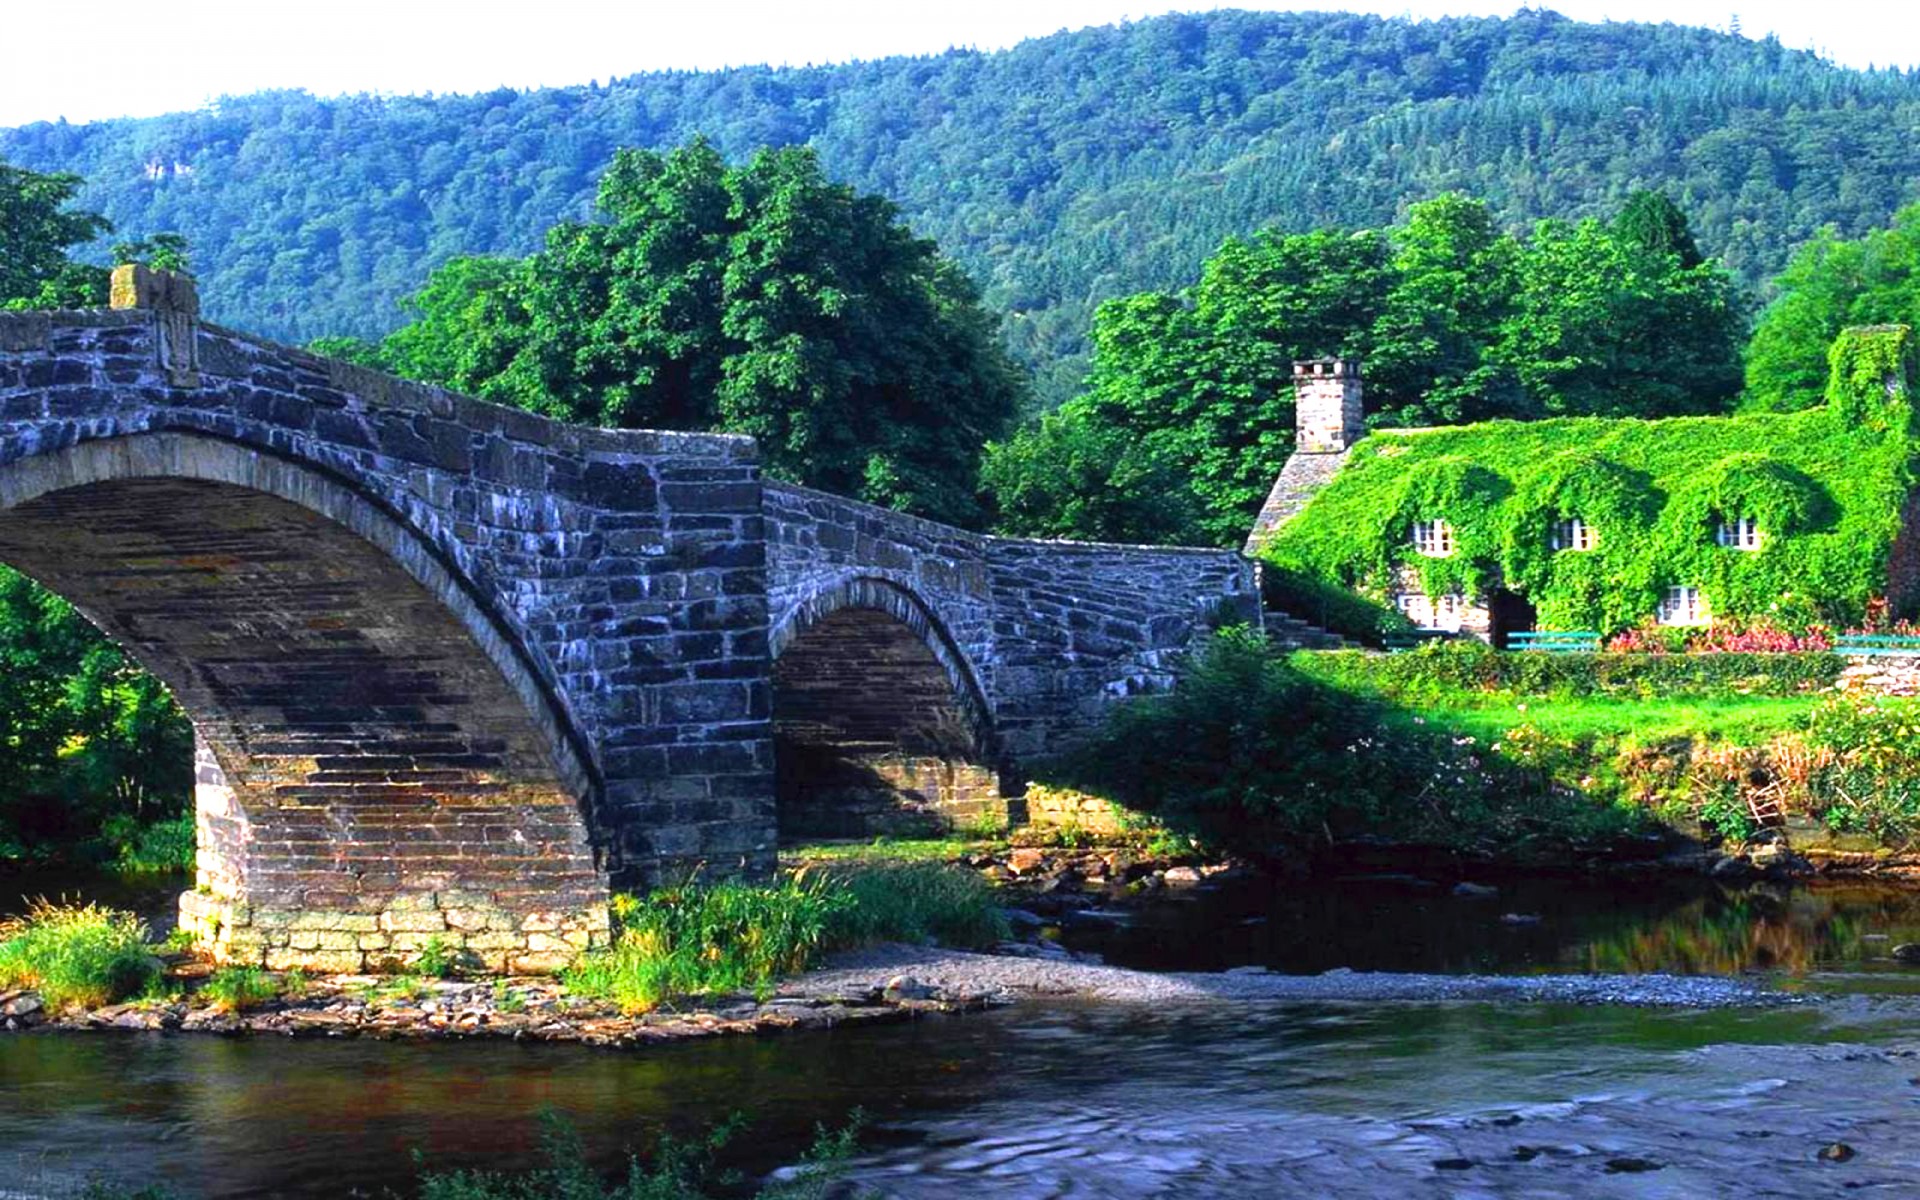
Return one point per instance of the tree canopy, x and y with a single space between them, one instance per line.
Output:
759 299
1188 411
1831 283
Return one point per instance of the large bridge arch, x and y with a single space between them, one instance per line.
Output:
881 724
379 761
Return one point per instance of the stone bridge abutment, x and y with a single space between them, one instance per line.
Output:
456 670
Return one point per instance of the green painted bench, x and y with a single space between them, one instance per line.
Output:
1859 644
1555 641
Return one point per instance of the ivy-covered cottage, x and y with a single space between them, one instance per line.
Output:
1598 524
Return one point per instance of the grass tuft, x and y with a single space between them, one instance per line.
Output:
82 955
703 939
913 902
237 988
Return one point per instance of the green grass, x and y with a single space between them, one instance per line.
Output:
709 939
914 902
883 849
236 989
1744 719
702 939
76 955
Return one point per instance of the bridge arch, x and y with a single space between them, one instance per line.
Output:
881 723
380 761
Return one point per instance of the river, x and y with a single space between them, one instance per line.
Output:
1077 1099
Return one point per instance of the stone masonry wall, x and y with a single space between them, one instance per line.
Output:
1048 632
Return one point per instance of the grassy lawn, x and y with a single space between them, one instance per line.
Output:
884 849
1749 720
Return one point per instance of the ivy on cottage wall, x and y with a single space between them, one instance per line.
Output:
1825 486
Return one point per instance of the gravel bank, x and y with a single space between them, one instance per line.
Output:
957 973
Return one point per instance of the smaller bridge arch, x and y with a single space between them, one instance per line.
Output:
881 724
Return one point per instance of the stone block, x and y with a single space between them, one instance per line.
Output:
539 964
432 921
331 962
466 919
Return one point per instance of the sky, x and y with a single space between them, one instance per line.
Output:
108 58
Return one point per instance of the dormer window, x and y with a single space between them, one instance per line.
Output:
1574 534
1741 533
1684 606
1433 538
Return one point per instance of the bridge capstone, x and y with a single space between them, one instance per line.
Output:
456 670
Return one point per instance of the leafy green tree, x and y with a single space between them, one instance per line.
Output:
760 299
85 735
38 229
1188 408
1428 358
1606 326
1831 283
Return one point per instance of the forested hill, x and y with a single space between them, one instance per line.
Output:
1066 170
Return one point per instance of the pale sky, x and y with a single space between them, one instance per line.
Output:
105 58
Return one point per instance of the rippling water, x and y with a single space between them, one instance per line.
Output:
1066 1100
1086 1100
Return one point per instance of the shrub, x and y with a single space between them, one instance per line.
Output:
702 939
238 988
72 954
437 960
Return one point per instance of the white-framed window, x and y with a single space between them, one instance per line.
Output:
1574 534
1432 612
1740 533
1684 605
1433 538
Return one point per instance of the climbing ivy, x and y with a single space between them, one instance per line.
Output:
1825 486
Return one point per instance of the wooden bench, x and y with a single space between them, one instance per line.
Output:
1555 641
1863 644
1412 639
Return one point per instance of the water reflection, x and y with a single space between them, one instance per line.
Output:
1686 927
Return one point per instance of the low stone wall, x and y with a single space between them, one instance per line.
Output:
1882 674
471 925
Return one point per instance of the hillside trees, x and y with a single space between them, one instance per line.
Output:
759 299
1063 172
1188 412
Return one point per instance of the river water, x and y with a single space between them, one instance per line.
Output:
1075 1099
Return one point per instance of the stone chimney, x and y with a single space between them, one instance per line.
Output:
1326 399
174 303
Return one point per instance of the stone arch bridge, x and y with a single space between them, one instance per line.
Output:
455 669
